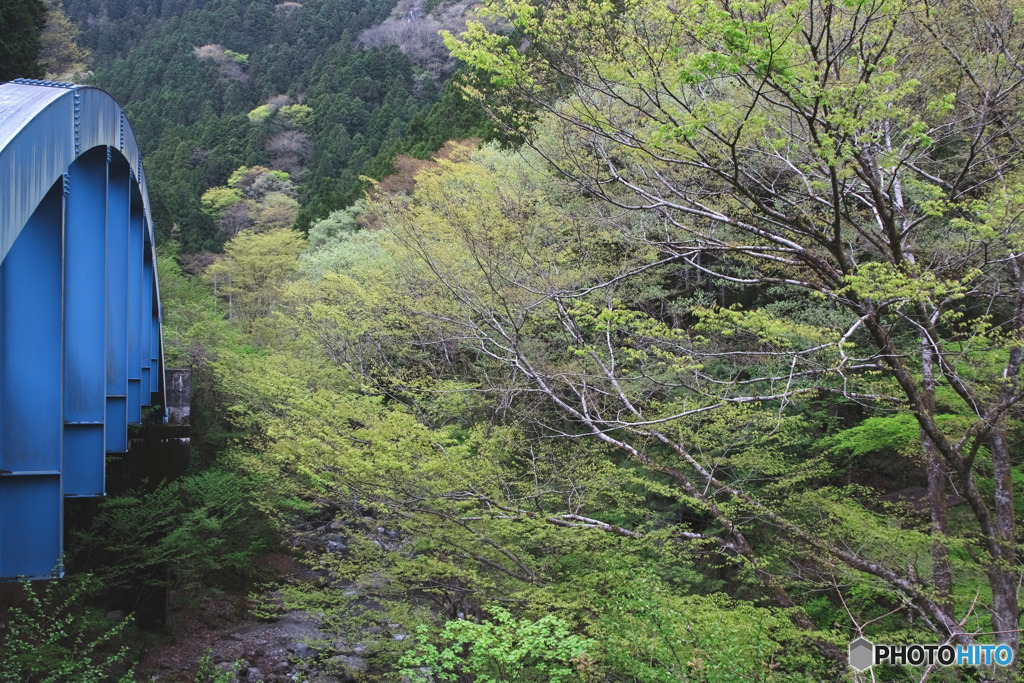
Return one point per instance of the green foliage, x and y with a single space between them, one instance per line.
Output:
348 403
53 636
501 649
195 333
338 244
204 528
298 115
217 199
453 117
256 181
198 120
60 53
207 671
21 25
261 113
344 253
663 112
237 58
250 277
334 227
649 634
670 353
276 211
898 433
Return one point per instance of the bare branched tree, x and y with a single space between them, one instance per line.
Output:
865 156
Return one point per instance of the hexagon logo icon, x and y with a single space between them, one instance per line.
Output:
862 653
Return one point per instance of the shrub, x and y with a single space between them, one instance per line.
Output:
500 649
54 637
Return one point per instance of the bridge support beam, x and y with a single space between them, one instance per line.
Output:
31 491
85 298
136 251
80 341
118 212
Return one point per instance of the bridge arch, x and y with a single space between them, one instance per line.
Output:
81 350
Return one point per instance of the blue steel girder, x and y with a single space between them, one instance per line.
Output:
80 339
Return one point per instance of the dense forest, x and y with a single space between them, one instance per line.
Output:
213 87
632 341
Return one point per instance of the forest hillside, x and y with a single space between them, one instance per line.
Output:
289 87
620 341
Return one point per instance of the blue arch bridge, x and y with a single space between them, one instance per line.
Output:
81 351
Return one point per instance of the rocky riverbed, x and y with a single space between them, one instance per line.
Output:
222 631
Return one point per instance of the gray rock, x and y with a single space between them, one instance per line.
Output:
376 580
343 647
280 666
347 664
303 651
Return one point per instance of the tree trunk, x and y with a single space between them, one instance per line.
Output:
1003 574
942 572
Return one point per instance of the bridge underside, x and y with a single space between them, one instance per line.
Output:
80 336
